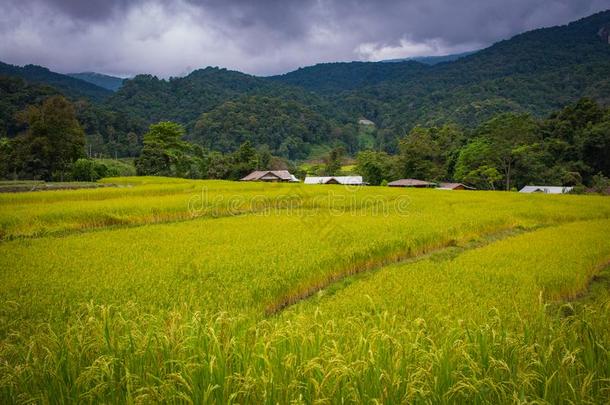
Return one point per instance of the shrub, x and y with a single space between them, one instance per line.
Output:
88 170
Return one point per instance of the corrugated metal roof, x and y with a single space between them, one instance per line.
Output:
546 189
346 180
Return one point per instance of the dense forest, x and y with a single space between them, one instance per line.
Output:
456 107
570 148
107 82
329 78
287 128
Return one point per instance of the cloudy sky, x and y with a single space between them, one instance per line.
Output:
171 38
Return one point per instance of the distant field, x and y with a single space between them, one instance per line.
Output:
166 290
33 185
348 169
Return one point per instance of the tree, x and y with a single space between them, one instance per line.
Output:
420 155
332 163
6 157
53 139
217 165
375 167
483 176
88 170
507 134
265 159
572 119
164 152
600 183
475 165
571 179
133 146
449 138
577 139
594 143
243 161
287 127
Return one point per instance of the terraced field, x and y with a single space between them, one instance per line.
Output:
164 290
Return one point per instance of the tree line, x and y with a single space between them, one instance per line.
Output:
52 147
508 151
166 153
571 147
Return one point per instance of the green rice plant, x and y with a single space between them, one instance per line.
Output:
281 293
146 200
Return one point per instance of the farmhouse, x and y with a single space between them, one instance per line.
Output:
454 186
411 183
345 180
271 176
546 189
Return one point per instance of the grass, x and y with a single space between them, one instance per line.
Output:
128 294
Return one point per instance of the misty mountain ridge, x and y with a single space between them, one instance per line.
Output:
433 60
107 82
536 72
70 86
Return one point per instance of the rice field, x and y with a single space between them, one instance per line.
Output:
180 291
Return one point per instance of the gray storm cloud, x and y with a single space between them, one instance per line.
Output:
170 38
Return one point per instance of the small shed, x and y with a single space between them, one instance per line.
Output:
454 186
546 189
345 180
271 176
411 183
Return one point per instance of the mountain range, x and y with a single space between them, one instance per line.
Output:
535 72
114 83
70 86
433 60
107 82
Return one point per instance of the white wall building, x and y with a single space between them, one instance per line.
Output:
345 180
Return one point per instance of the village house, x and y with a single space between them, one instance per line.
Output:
454 186
546 189
345 180
411 183
271 176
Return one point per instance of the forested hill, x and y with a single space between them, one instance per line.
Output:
536 72
70 86
16 95
537 51
287 128
341 76
111 83
433 60
183 99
